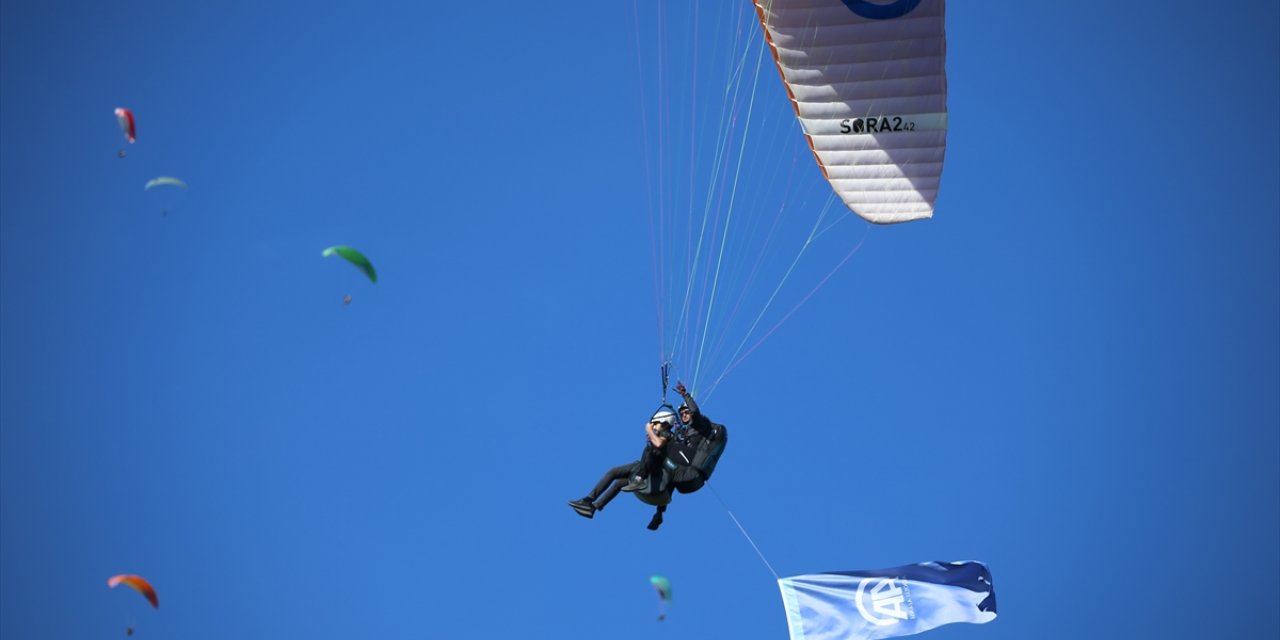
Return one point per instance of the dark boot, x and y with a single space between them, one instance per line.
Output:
584 507
656 521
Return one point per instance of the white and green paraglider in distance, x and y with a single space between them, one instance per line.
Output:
662 586
355 258
164 181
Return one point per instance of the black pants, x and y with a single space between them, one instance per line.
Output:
611 483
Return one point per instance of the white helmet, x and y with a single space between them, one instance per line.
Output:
664 416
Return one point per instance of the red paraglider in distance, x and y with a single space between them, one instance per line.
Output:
127 124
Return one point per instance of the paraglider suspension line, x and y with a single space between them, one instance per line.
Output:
743 530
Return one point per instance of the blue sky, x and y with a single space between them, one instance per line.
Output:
1070 373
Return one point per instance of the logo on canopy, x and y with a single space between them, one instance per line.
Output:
873 11
889 602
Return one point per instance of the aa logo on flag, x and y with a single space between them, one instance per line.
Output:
890 601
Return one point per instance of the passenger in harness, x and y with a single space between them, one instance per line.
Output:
638 475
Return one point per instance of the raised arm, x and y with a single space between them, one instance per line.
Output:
688 399
697 421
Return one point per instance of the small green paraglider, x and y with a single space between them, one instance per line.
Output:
354 257
161 181
663 587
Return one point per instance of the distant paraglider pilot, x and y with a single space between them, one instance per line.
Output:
128 127
139 584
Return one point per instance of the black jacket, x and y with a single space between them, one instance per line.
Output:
700 428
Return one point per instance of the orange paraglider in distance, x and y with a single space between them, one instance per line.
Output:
139 584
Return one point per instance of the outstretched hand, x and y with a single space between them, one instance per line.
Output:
680 388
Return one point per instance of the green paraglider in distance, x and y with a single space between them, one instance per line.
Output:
164 180
354 257
663 586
